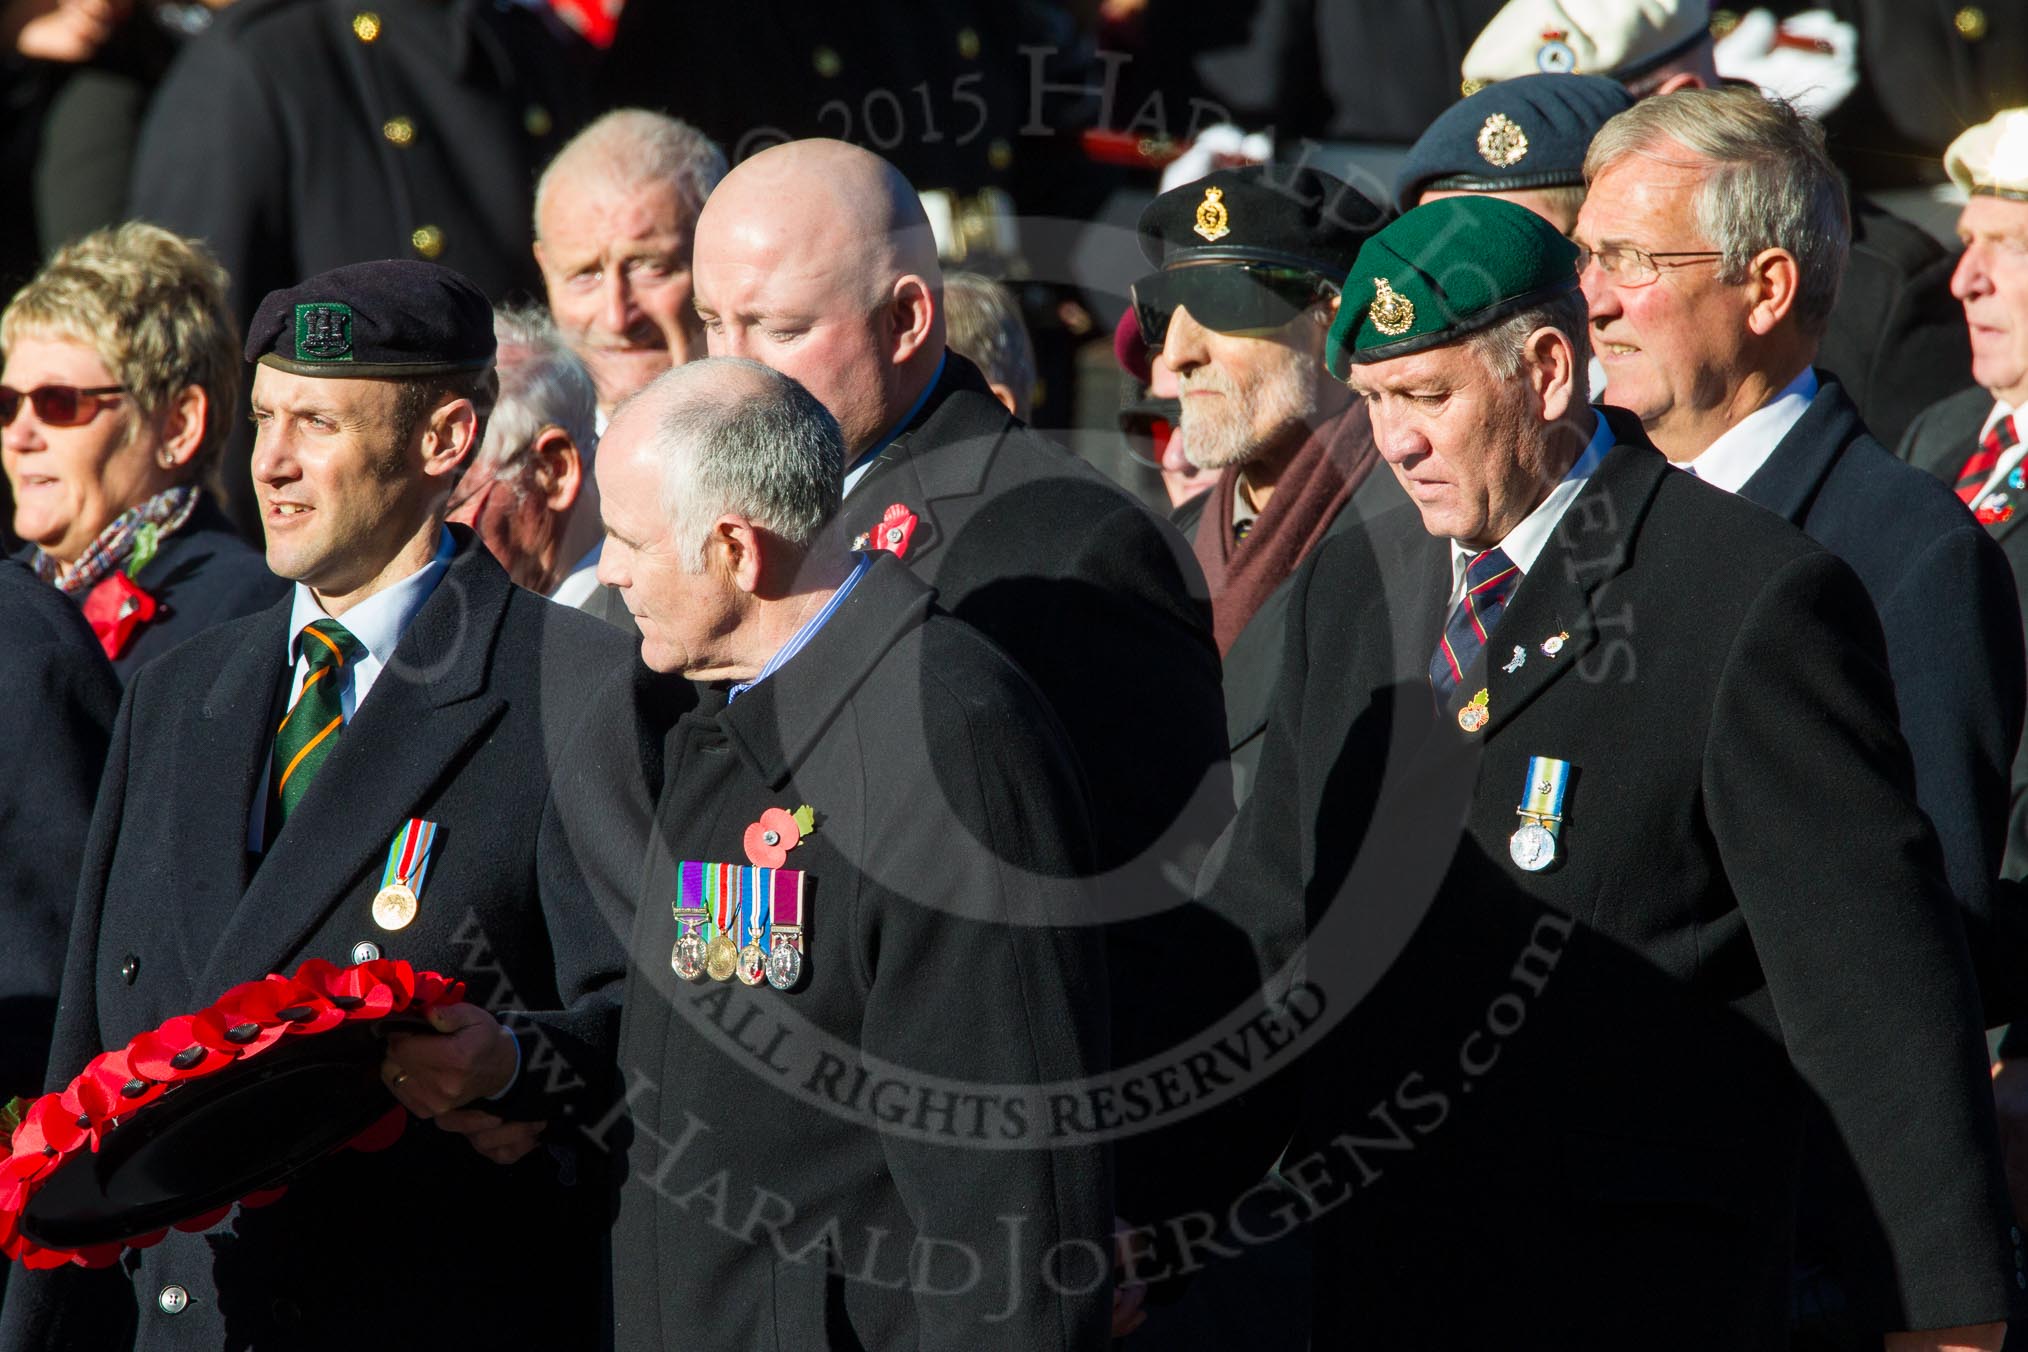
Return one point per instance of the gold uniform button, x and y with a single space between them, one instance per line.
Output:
1471 87
366 25
1970 23
999 154
428 240
968 44
537 121
828 62
399 130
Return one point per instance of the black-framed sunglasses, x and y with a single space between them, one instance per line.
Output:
1234 298
57 405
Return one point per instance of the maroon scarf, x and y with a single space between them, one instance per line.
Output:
1307 498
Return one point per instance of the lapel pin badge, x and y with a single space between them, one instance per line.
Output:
1514 663
1474 715
1553 645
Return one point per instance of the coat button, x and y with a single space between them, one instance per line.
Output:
827 62
536 120
366 25
365 951
1970 23
173 1300
428 240
968 44
398 130
130 968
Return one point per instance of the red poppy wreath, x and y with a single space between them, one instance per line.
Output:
245 1023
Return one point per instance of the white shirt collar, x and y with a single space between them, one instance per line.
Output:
378 622
1525 542
1744 447
581 581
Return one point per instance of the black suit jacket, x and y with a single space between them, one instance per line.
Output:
1569 1102
1255 658
57 702
461 728
1953 626
1102 604
1939 441
885 1105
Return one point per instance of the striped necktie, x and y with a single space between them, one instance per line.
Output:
310 731
2000 438
1490 578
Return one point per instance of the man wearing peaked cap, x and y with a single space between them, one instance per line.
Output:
1629 42
1521 139
261 777
1513 822
1250 260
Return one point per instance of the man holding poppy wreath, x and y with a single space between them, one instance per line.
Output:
355 773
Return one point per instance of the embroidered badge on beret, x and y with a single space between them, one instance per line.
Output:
1502 143
1393 313
324 332
1213 221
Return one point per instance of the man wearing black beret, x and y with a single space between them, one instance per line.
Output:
357 772
1586 799
1250 260
1521 139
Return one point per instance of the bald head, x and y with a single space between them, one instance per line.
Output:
816 259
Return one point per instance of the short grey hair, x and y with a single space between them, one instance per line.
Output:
629 147
1501 346
983 325
1770 185
735 436
542 384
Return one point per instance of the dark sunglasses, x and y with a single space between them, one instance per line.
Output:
57 405
1235 298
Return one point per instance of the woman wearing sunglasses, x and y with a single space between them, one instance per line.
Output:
121 380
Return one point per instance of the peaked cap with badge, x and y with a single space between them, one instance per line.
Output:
395 317
1624 39
1991 159
1512 136
1442 271
1261 213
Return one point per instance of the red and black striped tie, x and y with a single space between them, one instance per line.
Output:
1490 578
2000 438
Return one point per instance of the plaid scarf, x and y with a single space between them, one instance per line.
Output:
166 512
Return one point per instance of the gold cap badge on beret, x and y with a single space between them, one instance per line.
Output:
1502 143
1214 222
1392 312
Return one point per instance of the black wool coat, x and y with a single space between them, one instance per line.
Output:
57 702
1953 626
1103 606
1255 658
461 728
1939 441
1565 1106
856 1161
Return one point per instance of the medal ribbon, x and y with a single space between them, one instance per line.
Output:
689 897
1542 802
759 889
724 896
408 859
787 899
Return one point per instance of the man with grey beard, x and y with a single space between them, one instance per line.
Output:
1251 261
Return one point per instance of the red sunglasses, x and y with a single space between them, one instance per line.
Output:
57 405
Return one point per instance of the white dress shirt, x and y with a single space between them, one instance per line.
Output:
1524 543
378 623
581 581
1745 446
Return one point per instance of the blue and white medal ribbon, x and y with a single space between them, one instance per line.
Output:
1533 844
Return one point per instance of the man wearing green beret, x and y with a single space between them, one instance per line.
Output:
1587 782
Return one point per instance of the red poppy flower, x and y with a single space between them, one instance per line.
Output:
769 840
117 608
896 529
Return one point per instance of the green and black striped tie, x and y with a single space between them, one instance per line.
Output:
310 731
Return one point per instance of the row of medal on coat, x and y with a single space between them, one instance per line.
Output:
739 920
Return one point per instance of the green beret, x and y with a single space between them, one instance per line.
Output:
1441 271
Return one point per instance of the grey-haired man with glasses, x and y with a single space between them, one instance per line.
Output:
1715 232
